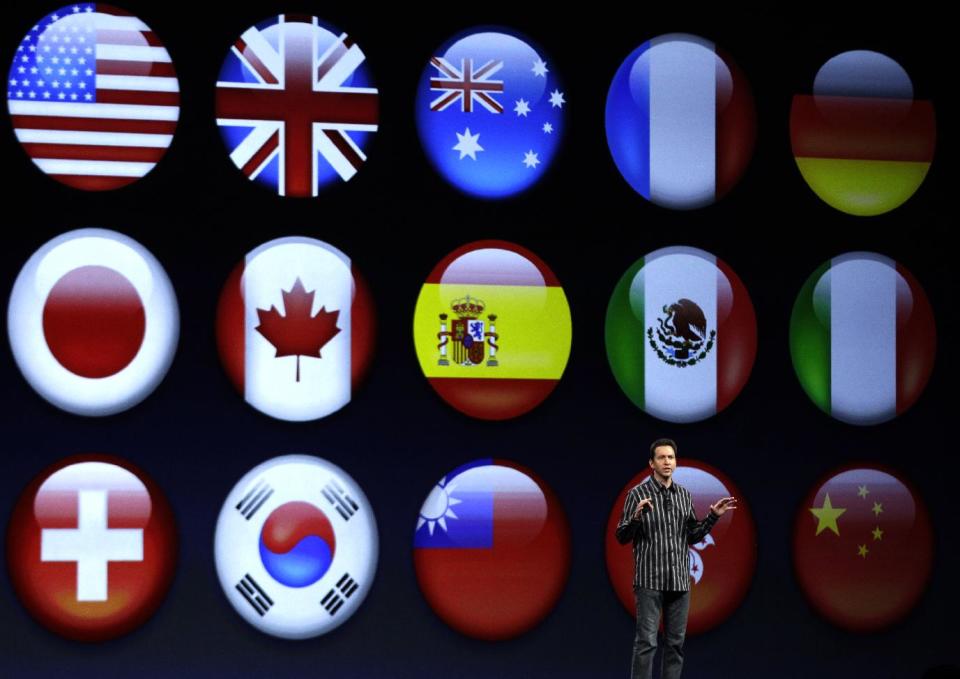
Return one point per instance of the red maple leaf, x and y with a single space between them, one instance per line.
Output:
298 333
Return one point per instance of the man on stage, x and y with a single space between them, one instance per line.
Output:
658 517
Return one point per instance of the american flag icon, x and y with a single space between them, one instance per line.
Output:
93 96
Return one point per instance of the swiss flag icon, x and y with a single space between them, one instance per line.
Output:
91 548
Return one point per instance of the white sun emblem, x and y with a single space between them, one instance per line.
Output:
436 508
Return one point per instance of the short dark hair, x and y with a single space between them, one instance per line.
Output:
663 442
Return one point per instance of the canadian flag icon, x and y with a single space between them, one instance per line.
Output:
91 548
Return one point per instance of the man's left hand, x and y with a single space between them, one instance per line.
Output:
721 506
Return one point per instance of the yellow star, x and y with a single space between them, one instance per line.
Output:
877 533
863 492
862 551
827 516
877 508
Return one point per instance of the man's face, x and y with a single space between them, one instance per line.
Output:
664 461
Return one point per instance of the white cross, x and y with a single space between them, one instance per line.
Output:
92 545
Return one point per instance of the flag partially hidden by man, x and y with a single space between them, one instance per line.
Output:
492 330
490 112
863 141
295 327
681 334
296 105
93 96
863 548
680 121
491 549
862 338
721 566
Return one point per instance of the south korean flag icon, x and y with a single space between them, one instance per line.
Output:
296 547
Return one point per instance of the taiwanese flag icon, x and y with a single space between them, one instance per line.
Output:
91 548
93 96
680 121
862 141
296 105
862 338
863 548
491 549
93 322
490 112
295 328
721 565
492 330
296 547
681 334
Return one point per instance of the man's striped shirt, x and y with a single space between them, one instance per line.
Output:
662 534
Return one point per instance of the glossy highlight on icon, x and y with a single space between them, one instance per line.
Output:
492 330
296 105
490 111
93 322
680 121
862 140
93 96
491 549
863 338
681 334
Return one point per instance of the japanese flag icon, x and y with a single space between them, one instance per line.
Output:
93 322
296 547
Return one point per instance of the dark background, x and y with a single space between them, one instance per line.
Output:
196 437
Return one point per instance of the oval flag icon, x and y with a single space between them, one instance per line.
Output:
492 330
721 566
862 338
681 334
295 328
862 141
490 112
491 549
93 96
863 547
296 547
91 548
296 105
680 121
93 322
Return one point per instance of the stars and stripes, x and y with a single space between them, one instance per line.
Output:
292 105
466 85
93 96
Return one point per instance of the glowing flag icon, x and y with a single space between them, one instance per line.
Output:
91 548
862 141
296 105
863 338
492 330
93 96
681 334
680 121
466 85
491 549
721 567
863 548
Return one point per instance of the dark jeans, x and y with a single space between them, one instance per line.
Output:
675 605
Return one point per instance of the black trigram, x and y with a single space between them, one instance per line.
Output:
343 503
254 499
333 601
254 594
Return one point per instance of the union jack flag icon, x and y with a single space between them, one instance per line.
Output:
296 105
466 85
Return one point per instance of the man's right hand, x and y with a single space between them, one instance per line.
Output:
641 506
